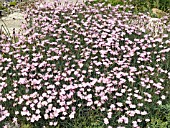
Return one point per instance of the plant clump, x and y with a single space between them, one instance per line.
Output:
13 3
74 60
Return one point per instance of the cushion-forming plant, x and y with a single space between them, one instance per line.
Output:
84 56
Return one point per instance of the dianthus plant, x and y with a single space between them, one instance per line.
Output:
91 56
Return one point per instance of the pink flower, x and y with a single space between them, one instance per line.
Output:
144 113
135 124
119 104
14 120
22 81
46 116
106 121
131 113
35 81
71 116
132 106
6 126
50 123
109 115
123 119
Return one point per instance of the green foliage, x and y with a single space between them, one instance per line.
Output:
141 5
147 5
115 2
162 4
157 123
13 3
2 7
85 117
112 2
88 118
161 119
26 126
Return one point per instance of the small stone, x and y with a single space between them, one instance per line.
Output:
158 12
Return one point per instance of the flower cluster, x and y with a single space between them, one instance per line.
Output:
83 55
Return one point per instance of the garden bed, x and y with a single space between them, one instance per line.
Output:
87 65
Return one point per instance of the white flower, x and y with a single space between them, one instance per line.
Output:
119 104
123 119
46 116
163 97
159 102
106 121
147 120
144 113
72 115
